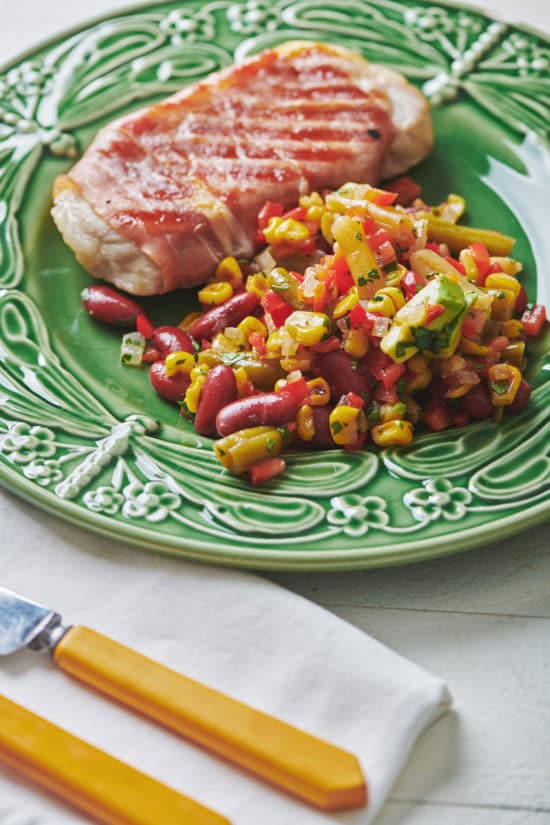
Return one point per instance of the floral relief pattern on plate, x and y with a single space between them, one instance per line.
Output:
64 446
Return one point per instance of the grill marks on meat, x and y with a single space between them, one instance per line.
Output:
184 179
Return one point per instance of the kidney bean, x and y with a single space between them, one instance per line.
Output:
322 437
342 374
172 339
173 388
522 397
262 410
107 305
219 390
225 315
477 402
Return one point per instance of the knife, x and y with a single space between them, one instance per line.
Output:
318 772
101 786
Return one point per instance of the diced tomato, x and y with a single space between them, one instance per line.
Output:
433 247
522 300
266 470
379 237
433 311
498 343
412 283
297 275
297 390
386 395
377 361
343 277
297 214
352 399
387 252
457 265
358 317
144 326
277 307
384 198
257 341
437 415
482 260
150 354
306 247
469 326
390 375
329 345
406 188
494 268
369 225
269 210
533 320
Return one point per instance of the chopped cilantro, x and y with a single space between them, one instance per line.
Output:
500 294
425 338
358 236
373 274
377 298
373 413
401 348
355 365
362 281
391 266
499 387
401 387
270 444
125 357
326 323
373 133
336 427
419 287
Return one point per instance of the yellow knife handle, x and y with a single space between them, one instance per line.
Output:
106 789
318 772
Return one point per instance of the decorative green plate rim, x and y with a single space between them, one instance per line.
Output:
98 462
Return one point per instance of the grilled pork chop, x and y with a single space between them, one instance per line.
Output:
163 194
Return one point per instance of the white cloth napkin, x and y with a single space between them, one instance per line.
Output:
232 630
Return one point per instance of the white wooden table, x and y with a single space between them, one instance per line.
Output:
481 620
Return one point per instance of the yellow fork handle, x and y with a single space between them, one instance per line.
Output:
318 772
106 789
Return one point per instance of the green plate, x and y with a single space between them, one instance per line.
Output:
89 440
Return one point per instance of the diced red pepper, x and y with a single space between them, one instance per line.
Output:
379 237
257 341
433 311
277 307
494 268
306 247
387 252
482 260
297 214
297 275
533 320
385 198
412 283
358 317
390 375
469 326
369 225
266 470
433 247
329 345
352 399
297 390
144 326
343 277
406 188
377 361
457 265
269 210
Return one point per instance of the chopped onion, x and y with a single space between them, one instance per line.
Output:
381 326
265 260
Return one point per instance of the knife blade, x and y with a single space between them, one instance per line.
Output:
304 765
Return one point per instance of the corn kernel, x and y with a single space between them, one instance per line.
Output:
458 391
514 352
251 324
468 262
395 294
301 360
420 381
392 412
393 433
382 305
193 393
504 381
418 363
507 265
346 423
512 328
238 451
199 371
319 392
215 293
308 328
230 340
326 226
256 283
241 377
305 425
315 213
504 301
469 347
186 322
356 342
229 270
179 362
346 304
499 280
313 199
285 229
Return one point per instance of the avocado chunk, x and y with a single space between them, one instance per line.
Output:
409 332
